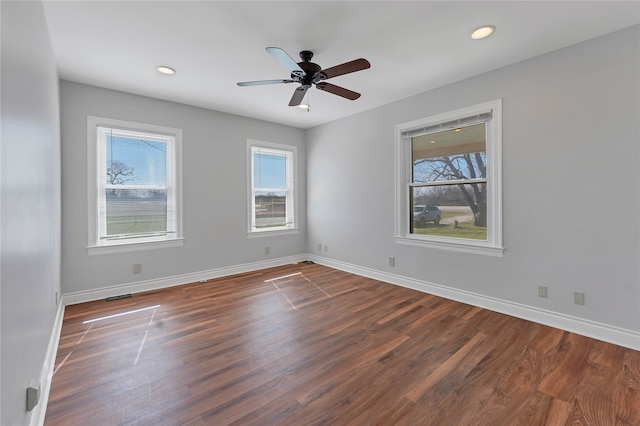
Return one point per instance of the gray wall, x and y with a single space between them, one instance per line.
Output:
214 182
30 202
571 184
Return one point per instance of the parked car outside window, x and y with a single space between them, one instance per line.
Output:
426 213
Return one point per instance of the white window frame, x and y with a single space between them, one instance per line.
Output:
96 168
493 246
291 154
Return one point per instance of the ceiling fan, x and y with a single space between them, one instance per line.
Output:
307 74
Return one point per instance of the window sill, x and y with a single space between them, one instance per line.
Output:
139 246
465 246
271 233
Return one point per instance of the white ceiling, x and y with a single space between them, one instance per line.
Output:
413 46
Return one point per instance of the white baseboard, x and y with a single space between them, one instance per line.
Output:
37 415
607 333
154 284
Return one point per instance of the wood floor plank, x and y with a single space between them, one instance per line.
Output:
445 368
628 393
309 345
566 367
477 397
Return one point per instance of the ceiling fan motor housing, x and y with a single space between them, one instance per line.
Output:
311 70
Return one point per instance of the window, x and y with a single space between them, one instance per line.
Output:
448 180
135 186
272 176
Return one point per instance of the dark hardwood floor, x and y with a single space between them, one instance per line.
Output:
307 345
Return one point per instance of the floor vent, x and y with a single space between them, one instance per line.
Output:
122 296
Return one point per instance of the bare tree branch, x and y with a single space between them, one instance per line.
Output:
119 173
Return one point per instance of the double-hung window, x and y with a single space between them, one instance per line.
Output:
272 196
448 180
134 186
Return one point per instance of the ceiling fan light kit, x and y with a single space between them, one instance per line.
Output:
306 105
308 74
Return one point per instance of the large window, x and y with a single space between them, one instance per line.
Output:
271 188
134 194
448 180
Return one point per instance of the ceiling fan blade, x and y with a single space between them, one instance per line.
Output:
346 68
286 60
262 82
298 96
337 90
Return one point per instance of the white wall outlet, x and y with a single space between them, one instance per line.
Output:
319 247
392 261
578 298
57 299
542 291
326 247
137 268
267 249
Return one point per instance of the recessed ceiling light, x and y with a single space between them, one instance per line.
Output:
482 32
165 70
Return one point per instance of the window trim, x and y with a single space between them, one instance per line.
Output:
292 153
493 246
93 183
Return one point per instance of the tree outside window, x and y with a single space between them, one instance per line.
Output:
449 171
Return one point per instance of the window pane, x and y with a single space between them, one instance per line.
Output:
270 171
136 161
271 208
136 211
450 155
450 211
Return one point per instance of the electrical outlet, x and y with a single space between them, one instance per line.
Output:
326 248
578 298
542 291
267 250
392 261
57 300
319 247
33 394
136 268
